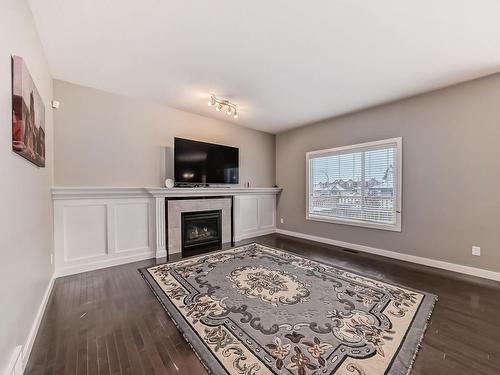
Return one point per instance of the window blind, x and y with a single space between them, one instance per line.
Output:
355 183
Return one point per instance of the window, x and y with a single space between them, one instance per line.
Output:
356 185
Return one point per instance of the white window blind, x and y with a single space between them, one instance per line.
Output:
357 185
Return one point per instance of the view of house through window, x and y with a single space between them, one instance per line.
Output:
355 184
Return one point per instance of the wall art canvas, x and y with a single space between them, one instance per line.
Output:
28 115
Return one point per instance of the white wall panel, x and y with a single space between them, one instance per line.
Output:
90 242
101 227
254 215
97 233
248 214
267 212
131 226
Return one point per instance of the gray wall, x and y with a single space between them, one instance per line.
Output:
451 173
26 205
104 139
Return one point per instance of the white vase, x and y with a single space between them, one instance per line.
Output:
169 183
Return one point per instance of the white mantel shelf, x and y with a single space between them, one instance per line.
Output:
141 192
196 192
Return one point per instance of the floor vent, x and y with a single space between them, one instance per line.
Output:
350 251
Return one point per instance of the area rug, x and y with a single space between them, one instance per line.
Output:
255 310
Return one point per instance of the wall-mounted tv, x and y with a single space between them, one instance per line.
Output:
205 163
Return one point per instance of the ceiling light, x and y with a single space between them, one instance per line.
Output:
220 104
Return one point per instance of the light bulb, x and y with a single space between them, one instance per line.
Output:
229 111
218 108
209 103
235 114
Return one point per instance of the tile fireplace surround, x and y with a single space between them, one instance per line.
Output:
177 207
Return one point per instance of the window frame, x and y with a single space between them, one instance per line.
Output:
396 227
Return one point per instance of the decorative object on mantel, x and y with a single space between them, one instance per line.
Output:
169 183
28 115
255 308
221 104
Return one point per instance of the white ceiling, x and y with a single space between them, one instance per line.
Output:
285 63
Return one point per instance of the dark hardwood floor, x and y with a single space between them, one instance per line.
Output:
109 322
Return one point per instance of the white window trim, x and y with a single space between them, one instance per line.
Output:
399 184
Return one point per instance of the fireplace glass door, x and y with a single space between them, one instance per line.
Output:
201 231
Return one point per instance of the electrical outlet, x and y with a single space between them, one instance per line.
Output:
476 251
51 258
282 221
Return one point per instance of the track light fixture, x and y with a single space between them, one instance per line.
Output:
221 103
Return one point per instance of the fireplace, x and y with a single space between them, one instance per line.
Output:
201 231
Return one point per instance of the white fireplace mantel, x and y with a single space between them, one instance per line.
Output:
145 192
207 192
96 227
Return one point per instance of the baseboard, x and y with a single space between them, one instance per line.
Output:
96 265
262 232
472 271
36 324
15 365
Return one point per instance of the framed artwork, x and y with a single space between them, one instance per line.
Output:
28 115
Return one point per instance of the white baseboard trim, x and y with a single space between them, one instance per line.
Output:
36 324
96 265
262 232
473 271
15 365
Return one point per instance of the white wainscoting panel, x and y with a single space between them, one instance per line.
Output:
267 212
131 226
96 233
254 215
97 227
89 243
246 212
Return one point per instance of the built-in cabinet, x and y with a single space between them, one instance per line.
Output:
101 227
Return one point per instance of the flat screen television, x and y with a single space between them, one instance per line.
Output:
205 163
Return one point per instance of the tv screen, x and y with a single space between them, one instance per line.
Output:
206 163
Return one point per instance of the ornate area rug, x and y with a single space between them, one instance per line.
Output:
258 310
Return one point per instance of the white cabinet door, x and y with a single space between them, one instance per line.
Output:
254 215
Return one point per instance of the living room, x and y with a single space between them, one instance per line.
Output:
264 188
